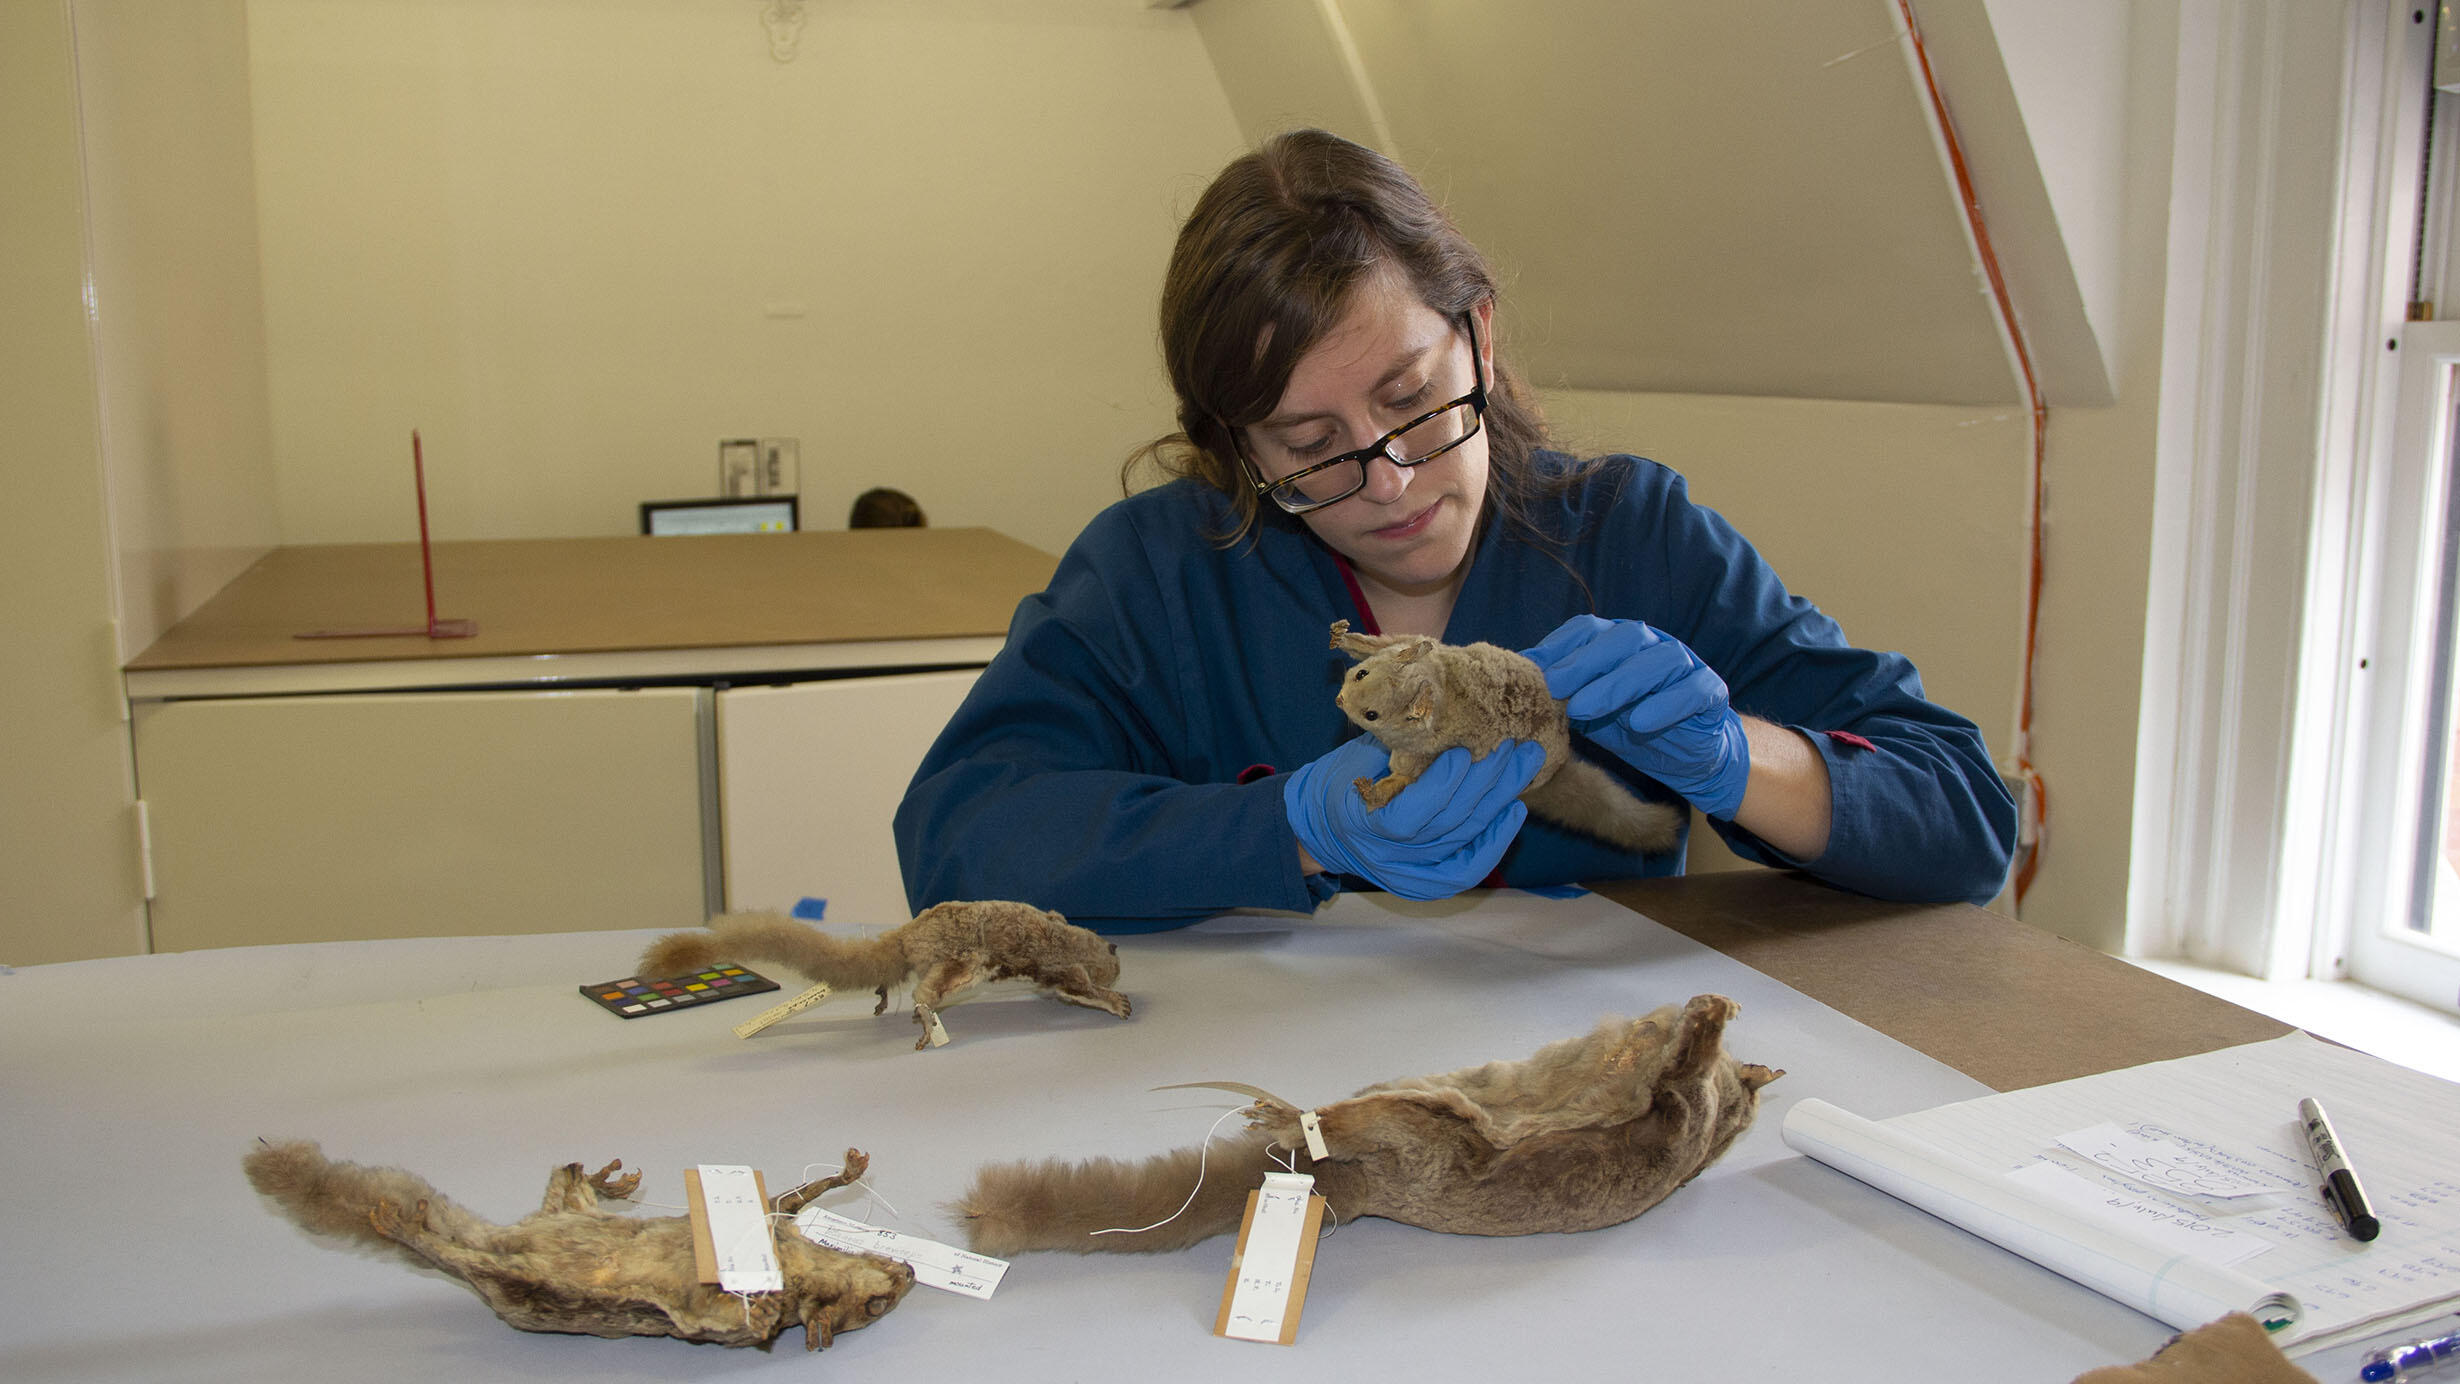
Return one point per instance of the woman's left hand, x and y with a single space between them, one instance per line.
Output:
1646 697
1438 836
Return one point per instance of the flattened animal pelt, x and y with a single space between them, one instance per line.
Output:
573 1266
1588 1132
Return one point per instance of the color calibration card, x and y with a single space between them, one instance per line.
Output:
634 996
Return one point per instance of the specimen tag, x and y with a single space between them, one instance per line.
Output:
771 1015
935 1265
1313 1128
730 1228
931 1026
1275 1256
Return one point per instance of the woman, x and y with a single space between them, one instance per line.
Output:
1157 742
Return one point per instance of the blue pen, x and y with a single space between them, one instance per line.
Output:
2425 1353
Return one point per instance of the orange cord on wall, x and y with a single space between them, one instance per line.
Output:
2029 858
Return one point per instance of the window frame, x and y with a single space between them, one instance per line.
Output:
2394 717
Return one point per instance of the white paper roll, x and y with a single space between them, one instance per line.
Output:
2178 1289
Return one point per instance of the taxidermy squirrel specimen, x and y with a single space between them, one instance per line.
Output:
570 1266
1421 697
945 949
1588 1132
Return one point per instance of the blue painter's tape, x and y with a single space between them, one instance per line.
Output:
810 909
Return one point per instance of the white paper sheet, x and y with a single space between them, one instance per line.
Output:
2179 1289
2151 1218
935 1265
2170 1166
2236 1105
739 1229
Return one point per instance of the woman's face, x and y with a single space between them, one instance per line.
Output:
1389 359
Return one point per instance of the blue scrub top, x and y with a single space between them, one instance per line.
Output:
1121 759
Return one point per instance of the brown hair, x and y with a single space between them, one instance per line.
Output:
1262 270
884 508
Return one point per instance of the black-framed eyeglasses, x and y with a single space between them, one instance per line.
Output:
1421 439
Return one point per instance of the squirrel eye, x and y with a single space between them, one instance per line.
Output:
1357 673
1368 714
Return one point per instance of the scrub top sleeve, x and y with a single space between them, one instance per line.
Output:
1115 852
1055 783
1913 821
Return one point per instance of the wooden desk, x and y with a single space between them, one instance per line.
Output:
570 609
642 732
2009 1005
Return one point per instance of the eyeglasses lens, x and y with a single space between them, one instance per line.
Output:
1433 435
1416 444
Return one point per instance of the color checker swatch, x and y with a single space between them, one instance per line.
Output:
634 996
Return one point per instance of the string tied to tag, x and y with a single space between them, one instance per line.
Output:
1308 1123
1203 1155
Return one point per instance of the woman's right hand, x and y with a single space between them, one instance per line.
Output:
1644 696
1437 837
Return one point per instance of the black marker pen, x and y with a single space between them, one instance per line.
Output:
2341 1191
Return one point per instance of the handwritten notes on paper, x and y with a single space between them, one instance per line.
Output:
737 1215
935 1265
2237 1109
2181 1289
2178 1229
1275 1256
2173 1163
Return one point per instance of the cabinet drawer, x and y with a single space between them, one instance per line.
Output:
812 774
292 819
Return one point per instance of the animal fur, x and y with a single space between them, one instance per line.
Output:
944 950
1421 697
2232 1349
1590 1131
572 1266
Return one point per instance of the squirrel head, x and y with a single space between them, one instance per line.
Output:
1392 692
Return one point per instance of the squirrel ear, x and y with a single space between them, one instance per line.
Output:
1411 649
1422 705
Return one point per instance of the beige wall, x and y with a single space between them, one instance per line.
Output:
552 243
68 872
179 337
1899 520
576 242
2098 519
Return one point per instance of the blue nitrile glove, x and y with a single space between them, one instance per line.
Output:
1437 837
1644 696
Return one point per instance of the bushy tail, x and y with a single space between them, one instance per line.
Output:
772 937
336 1199
1587 799
1056 1205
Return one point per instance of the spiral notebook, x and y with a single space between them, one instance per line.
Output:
2226 1218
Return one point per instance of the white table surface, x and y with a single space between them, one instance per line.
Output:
135 1250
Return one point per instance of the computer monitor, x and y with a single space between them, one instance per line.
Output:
748 514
